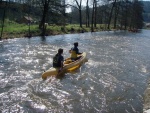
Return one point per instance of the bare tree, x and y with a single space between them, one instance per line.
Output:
79 7
116 13
93 12
3 18
64 12
136 14
45 4
29 22
87 14
111 13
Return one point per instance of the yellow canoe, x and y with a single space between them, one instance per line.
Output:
69 66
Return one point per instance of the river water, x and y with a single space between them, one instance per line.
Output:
112 81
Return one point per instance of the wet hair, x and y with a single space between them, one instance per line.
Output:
60 51
76 44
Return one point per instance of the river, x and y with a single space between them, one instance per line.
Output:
112 81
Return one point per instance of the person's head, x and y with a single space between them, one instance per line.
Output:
76 44
60 51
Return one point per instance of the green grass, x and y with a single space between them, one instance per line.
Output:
13 29
19 28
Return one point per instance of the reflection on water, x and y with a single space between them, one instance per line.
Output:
112 81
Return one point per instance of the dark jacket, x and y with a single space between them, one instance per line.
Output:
57 60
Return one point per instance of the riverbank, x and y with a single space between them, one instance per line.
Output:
49 31
14 30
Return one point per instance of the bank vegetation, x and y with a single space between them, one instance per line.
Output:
28 18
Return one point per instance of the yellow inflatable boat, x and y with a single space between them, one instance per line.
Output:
69 66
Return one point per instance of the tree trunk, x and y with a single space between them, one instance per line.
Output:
3 20
80 11
95 13
111 12
42 23
80 17
64 13
116 15
92 28
87 14
125 25
29 23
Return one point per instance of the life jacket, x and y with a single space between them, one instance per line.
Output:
73 54
56 61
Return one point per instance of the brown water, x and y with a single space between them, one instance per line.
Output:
112 81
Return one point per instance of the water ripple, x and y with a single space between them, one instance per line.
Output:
112 81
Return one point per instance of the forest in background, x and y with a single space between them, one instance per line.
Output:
146 13
113 14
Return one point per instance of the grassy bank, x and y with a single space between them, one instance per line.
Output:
15 30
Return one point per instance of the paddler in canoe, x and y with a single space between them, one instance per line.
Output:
74 52
61 66
58 60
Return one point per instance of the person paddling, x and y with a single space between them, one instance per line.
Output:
75 52
58 60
